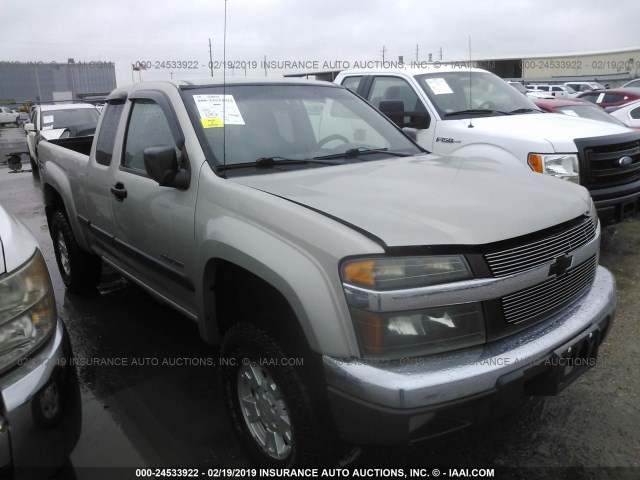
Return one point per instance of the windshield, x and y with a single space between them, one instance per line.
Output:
293 126
455 93
589 111
69 117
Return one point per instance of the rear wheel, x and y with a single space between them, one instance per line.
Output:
280 422
80 271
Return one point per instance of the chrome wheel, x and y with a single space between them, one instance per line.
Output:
64 254
264 410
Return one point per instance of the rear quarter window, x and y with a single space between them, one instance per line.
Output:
107 133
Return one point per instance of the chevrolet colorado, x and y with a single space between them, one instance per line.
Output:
360 288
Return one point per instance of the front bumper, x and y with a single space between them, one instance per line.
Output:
615 204
40 411
403 402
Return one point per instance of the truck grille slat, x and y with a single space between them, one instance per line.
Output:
604 169
543 299
533 254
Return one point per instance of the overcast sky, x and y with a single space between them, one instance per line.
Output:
128 31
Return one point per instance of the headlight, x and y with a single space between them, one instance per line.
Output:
593 213
27 310
405 272
416 332
565 166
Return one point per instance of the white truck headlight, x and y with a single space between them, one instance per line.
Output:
27 310
417 332
565 166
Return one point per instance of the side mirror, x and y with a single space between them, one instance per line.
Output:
420 120
412 133
29 127
161 164
394 110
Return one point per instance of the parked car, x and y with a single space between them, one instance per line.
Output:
576 108
8 116
52 121
632 84
472 112
358 286
611 97
628 113
556 91
529 93
580 87
40 417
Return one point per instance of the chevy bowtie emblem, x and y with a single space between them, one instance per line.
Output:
625 162
560 266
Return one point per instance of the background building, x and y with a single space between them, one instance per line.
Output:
612 67
32 82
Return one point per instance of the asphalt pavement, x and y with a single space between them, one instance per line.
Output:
151 394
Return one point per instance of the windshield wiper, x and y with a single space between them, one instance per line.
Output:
356 152
267 162
476 111
525 110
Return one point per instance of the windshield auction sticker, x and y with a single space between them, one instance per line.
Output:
438 86
218 110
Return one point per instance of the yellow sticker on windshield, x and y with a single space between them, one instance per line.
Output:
211 122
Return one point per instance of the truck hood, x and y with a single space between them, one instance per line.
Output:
431 200
558 129
17 244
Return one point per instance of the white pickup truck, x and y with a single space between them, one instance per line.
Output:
359 287
471 113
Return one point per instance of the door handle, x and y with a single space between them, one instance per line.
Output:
119 191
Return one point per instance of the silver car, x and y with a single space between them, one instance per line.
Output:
39 394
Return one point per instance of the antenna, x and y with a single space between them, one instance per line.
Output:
224 87
210 58
470 88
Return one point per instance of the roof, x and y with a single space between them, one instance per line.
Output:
433 68
64 106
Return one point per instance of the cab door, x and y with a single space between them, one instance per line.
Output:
151 227
383 91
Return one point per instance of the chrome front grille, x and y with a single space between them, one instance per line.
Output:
545 298
530 255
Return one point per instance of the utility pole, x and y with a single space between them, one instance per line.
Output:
265 65
210 58
417 53
384 50
440 52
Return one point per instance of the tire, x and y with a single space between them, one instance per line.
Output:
35 171
80 271
282 426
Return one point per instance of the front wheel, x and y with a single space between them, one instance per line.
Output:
80 271
277 418
35 171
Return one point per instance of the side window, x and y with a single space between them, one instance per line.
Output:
148 127
612 98
591 97
107 133
635 113
391 88
352 83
